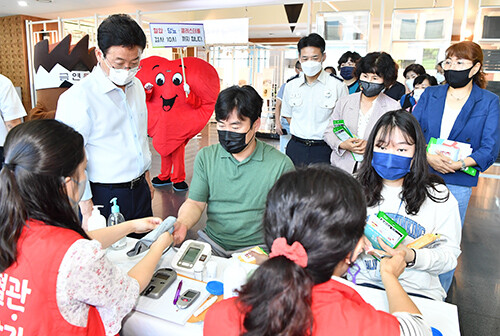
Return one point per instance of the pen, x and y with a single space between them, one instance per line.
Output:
381 256
205 306
176 297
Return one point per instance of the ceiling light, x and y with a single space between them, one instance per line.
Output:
22 3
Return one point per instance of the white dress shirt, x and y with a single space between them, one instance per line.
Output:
10 105
310 105
113 124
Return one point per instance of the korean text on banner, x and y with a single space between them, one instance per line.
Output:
177 34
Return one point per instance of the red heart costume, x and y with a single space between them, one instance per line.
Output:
174 119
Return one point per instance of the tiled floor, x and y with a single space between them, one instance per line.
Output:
476 288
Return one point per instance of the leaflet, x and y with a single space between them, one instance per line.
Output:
386 228
452 149
342 132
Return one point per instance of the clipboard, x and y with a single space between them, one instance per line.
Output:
164 308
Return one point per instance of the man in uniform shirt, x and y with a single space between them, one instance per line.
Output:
232 179
11 110
308 103
108 108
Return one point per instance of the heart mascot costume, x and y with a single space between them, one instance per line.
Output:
173 118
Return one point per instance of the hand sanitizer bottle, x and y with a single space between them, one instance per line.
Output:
96 220
116 218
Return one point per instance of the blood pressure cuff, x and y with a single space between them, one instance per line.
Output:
145 243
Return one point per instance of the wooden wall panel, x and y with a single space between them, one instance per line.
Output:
14 54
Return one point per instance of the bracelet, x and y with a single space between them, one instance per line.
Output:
464 167
412 263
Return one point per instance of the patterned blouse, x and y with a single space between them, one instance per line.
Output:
86 277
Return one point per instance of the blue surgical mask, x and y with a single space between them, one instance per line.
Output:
390 166
347 72
440 78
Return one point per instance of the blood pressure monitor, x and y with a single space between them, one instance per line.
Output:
190 254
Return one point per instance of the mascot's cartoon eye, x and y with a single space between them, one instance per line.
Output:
177 79
160 79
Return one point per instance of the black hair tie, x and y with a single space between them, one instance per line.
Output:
9 166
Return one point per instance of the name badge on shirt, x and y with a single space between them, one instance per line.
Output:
328 100
295 99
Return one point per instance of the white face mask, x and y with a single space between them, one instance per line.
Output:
440 77
121 77
311 68
417 93
409 83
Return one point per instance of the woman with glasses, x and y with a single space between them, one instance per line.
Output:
461 110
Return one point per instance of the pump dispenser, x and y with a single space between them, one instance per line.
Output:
116 218
96 220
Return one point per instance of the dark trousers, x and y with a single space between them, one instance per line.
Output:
1 154
303 155
134 203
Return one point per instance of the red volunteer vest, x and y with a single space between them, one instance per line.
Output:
28 286
337 310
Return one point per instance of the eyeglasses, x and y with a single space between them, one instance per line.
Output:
134 65
459 64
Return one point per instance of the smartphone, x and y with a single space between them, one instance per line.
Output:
187 298
159 283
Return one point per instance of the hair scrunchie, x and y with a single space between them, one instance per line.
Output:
294 252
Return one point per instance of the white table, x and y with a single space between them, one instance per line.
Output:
440 315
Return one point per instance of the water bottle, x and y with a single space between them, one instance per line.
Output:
96 220
116 218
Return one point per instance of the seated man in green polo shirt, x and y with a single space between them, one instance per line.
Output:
232 178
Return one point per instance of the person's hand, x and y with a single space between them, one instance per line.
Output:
163 241
151 189
146 224
278 127
409 254
394 266
354 145
361 146
259 257
150 184
367 244
180 232
86 210
441 163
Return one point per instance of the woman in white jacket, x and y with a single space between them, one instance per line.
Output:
396 180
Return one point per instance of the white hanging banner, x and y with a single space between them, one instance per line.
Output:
175 35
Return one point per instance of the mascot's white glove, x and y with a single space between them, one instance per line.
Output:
186 88
148 86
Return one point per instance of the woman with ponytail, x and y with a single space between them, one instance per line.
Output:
313 223
54 279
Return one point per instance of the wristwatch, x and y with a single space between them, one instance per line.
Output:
412 263
464 167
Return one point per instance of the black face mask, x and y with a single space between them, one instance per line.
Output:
371 89
233 142
458 78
